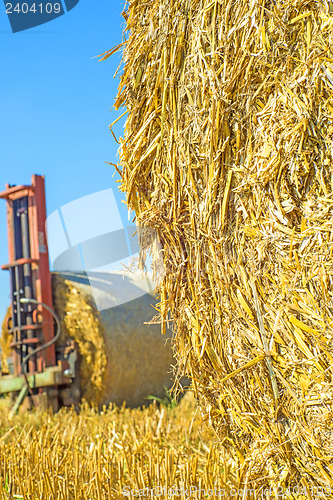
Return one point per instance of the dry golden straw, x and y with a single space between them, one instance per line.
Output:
102 456
227 154
5 341
81 322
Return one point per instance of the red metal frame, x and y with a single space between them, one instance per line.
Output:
41 275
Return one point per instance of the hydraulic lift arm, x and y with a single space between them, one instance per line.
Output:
36 364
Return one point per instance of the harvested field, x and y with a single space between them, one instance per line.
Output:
98 456
227 155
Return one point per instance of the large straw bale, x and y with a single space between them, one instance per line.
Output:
227 154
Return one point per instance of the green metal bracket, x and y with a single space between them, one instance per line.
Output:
18 402
50 377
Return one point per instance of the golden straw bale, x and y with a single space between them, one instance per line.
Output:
227 154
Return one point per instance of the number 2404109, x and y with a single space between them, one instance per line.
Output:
35 8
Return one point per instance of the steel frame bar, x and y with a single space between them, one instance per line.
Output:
30 273
49 377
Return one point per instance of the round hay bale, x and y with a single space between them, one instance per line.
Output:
122 359
227 154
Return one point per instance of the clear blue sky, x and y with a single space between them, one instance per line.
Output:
55 108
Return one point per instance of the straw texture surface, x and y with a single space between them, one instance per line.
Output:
227 154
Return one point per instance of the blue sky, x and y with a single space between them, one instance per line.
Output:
56 106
